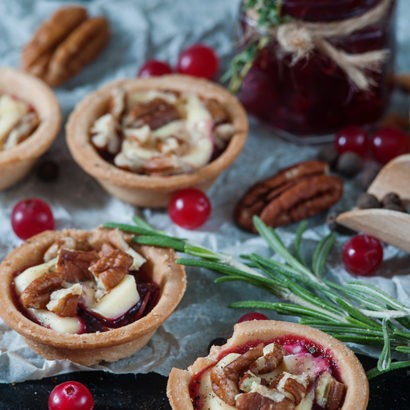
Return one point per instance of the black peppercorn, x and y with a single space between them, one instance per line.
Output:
368 201
328 154
349 164
48 171
336 227
391 199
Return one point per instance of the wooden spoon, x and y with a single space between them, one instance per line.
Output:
392 227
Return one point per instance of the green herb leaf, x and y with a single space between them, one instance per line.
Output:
385 356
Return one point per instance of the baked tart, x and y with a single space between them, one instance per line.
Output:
272 365
30 119
88 296
142 139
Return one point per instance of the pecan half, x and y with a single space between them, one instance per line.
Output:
154 113
110 270
73 265
37 293
64 302
329 392
292 386
64 44
293 194
253 400
225 380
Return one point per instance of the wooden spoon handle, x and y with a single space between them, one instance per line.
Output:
389 226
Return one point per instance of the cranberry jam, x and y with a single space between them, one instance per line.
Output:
314 96
293 345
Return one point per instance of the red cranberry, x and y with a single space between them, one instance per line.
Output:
353 139
362 254
70 396
198 60
388 143
252 316
189 208
154 68
30 217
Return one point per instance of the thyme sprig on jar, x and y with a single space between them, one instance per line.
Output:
268 14
356 312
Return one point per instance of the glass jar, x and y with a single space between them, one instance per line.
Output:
314 97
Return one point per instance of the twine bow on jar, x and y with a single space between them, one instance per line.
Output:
300 38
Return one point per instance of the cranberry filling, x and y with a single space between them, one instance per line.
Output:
149 295
292 344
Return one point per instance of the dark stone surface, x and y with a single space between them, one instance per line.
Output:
147 391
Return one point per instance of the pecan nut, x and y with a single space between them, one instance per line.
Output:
73 265
64 44
293 194
37 293
111 269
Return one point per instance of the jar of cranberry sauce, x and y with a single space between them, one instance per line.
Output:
315 96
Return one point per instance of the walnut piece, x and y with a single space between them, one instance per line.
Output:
73 265
64 302
37 293
111 269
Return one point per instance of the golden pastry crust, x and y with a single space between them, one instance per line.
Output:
90 348
147 190
16 162
350 369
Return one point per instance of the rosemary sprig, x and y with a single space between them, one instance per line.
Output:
355 312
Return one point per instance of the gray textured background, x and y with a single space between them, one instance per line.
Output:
143 29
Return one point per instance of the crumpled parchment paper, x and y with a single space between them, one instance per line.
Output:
161 28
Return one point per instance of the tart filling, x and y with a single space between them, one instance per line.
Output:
18 121
285 373
161 132
86 287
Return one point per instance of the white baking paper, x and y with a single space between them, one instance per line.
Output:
143 29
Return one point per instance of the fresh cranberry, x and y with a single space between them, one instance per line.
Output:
252 316
352 139
198 60
70 396
388 143
362 254
154 68
30 217
189 208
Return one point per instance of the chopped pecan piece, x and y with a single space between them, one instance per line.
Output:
254 400
292 386
111 269
295 193
73 265
217 111
329 392
154 113
272 356
22 130
66 242
225 380
37 293
64 302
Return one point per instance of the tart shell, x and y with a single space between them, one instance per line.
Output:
90 348
146 190
16 162
350 369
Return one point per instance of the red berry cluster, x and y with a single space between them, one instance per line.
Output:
198 60
383 145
